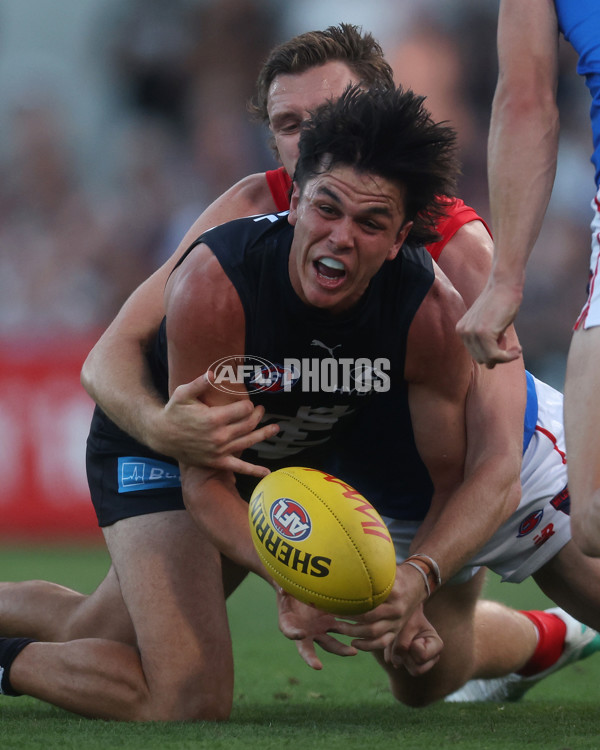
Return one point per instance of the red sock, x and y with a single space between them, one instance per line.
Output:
551 641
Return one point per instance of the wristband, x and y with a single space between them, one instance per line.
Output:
428 568
434 566
416 566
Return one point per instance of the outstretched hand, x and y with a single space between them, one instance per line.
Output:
483 327
308 626
212 436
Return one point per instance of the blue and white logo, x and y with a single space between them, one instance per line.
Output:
137 473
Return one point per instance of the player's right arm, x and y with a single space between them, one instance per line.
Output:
522 154
469 436
116 375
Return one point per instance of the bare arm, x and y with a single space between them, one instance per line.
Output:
469 435
116 375
467 260
522 154
205 321
468 426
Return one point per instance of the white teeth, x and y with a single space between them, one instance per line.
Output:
332 263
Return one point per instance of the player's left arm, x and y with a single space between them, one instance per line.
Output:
470 439
468 427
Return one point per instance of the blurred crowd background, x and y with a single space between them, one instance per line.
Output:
120 120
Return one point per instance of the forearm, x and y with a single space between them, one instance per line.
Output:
522 164
524 130
459 525
216 506
117 377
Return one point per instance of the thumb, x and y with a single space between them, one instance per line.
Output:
197 388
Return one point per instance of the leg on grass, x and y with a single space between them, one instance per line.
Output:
170 578
582 426
48 611
572 580
481 638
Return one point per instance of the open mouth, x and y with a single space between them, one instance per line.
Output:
330 271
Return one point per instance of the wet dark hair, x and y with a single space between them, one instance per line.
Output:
344 43
387 133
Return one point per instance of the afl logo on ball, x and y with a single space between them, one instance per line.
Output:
290 519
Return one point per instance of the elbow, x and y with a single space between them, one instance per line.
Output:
513 473
507 478
527 103
513 497
86 376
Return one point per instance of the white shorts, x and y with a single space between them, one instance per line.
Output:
590 314
540 527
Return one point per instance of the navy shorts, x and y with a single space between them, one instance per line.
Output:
126 486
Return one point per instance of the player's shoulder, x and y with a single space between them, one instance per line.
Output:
248 197
433 344
444 300
248 231
251 194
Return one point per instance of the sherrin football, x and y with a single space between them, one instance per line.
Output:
322 541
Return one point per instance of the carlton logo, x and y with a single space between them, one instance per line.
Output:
290 519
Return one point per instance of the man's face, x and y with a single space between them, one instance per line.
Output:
292 97
346 225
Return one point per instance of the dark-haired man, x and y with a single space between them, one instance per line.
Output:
136 528
325 273
298 75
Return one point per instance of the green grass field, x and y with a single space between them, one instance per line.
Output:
281 703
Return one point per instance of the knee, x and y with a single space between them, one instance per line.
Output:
72 625
192 698
214 707
209 708
139 706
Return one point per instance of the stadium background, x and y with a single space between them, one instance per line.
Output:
120 120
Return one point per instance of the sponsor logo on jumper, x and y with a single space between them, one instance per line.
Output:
275 545
136 473
329 349
344 375
544 535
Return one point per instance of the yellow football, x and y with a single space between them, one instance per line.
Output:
322 541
